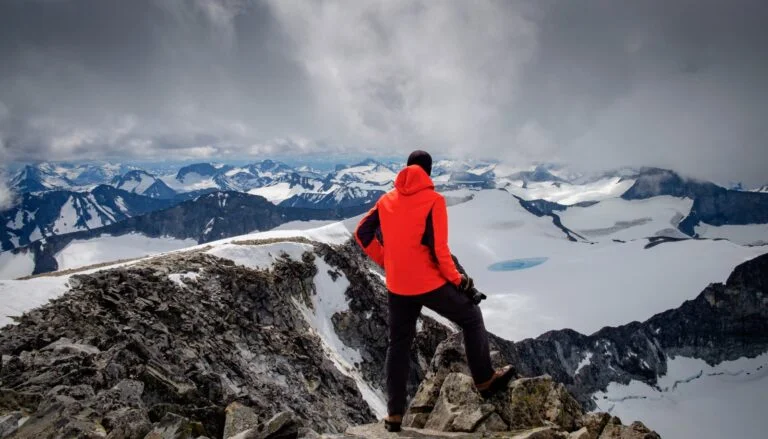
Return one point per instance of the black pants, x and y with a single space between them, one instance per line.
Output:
403 313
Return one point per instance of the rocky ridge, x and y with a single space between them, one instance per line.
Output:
168 343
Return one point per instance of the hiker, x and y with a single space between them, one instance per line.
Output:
406 233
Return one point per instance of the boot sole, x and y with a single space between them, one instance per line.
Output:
498 384
392 427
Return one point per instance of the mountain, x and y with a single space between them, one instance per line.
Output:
763 189
654 182
199 170
207 218
289 185
63 176
713 205
355 187
38 178
46 214
293 322
288 324
143 183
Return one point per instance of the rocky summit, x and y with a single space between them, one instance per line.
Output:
168 344
192 344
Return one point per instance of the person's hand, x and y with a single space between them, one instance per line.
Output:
466 283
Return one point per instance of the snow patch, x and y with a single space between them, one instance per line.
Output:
17 265
19 296
329 299
179 278
106 248
586 361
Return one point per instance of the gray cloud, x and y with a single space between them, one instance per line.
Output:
594 83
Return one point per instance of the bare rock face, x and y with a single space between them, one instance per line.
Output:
535 407
459 407
539 401
615 430
239 419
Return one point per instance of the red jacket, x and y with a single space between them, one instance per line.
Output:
406 232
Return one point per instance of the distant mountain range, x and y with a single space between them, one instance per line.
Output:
39 215
209 217
82 200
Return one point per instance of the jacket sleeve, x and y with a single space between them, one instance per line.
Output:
365 235
442 252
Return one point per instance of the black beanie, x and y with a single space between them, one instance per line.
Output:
421 158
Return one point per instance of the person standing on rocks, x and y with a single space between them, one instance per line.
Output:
406 233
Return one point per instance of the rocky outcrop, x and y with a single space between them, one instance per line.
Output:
536 407
133 350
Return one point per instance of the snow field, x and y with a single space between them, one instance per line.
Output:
696 400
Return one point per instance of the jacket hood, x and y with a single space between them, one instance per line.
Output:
413 179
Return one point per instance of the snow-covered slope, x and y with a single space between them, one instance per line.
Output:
626 220
697 400
566 193
562 292
143 183
81 253
750 234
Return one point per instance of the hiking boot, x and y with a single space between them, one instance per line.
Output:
393 422
499 380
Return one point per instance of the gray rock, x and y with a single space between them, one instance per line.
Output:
459 407
493 423
614 430
542 433
67 346
9 423
534 402
60 419
126 423
596 422
284 425
239 419
175 427
581 433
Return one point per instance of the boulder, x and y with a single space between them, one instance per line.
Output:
459 407
581 433
60 418
536 402
615 430
239 418
175 427
10 423
284 425
596 422
126 423
542 433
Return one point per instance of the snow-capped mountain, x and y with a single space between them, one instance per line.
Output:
208 217
763 189
39 178
63 176
143 183
45 214
353 188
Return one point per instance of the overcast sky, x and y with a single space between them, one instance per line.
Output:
598 84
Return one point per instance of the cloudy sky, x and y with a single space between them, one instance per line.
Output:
596 84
